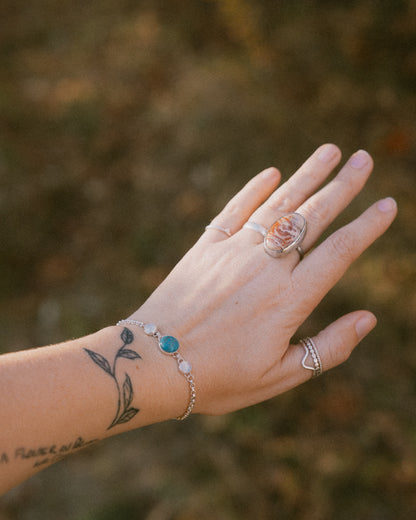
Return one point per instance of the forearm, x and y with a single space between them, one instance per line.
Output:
55 400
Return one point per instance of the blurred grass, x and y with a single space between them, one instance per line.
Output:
124 127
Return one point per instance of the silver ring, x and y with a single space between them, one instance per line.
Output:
255 227
283 236
219 228
310 349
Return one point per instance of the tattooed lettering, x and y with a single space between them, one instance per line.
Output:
46 454
23 453
125 412
4 459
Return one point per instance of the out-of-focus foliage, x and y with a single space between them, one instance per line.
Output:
124 127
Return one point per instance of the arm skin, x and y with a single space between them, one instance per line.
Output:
233 308
55 400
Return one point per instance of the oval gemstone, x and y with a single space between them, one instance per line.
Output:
285 233
169 344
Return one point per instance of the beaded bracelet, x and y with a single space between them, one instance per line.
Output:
169 345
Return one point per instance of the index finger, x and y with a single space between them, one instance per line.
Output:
326 264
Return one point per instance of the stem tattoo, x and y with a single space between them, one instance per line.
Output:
125 412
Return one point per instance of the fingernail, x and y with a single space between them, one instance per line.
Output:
364 325
386 205
359 159
269 173
327 152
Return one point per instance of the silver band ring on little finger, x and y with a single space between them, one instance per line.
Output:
283 236
227 231
312 351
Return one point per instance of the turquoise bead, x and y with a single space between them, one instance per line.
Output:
169 344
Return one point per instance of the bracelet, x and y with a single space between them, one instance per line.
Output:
169 345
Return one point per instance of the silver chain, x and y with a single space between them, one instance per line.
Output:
184 366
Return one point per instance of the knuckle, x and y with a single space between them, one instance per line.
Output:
342 246
338 354
315 215
283 205
233 207
348 181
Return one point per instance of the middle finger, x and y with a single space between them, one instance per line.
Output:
301 185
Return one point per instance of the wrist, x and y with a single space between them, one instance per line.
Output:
158 389
169 346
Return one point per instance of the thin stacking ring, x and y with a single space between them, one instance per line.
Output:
310 349
285 235
256 227
219 228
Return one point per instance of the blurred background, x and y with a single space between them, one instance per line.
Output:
124 128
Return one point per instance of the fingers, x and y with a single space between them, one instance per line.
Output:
242 205
334 345
325 205
300 186
326 264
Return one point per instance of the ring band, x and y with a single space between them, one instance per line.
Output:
219 228
283 236
255 227
310 349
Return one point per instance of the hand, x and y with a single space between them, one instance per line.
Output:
235 309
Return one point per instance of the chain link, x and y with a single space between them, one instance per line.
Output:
186 366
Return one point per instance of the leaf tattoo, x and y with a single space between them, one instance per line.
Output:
100 360
129 354
127 336
127 415
125 394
